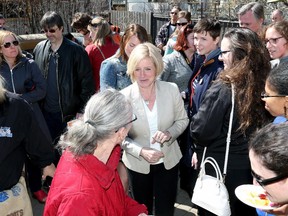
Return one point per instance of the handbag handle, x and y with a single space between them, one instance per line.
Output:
228 139
215 165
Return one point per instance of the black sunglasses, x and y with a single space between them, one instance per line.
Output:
134 119
50 30
181 24
94 25
8 44
264 182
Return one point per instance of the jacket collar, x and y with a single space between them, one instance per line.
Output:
104 173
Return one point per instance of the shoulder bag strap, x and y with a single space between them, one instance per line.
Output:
101 52
228 140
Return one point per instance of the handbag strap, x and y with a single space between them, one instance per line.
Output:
228 139
101 52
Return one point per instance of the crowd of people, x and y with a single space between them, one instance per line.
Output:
115 121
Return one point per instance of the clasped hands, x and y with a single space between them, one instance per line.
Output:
152 155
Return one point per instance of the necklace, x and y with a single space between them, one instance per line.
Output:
149 98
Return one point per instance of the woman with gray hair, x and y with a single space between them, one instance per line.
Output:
87 182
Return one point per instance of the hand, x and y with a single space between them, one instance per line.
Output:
151 155
194 161
142 214
48 171
161 137
282 210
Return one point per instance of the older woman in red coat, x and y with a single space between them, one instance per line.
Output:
86 181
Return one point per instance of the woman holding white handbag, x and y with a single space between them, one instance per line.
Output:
246 65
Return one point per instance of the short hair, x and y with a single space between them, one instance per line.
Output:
208 25
50 19
102 31
105 113
182 42
80 20
2 17
278 79
256 8
133 29
141 52
270 145
5 33
281 27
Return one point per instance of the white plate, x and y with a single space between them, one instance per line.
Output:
249 194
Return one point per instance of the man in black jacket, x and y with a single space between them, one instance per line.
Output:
67 69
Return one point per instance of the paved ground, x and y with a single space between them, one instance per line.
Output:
183 206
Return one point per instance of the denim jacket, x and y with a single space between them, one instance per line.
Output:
113 74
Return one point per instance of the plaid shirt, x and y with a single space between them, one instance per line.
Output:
163 34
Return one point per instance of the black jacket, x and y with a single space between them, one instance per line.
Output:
20 135
74 74
209 128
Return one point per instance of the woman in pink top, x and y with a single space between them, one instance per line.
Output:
103 46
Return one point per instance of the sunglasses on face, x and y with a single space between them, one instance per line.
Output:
94 25
50 30
8 44
181 24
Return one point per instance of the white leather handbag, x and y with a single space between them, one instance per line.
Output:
210 192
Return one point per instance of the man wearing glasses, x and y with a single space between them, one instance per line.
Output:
167 29
67 70
268 153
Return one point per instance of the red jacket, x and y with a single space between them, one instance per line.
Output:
85 186
96 57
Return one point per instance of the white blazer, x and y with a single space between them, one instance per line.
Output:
171 117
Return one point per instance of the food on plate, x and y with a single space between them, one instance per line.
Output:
258 199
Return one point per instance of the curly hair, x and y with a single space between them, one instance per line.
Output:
250 69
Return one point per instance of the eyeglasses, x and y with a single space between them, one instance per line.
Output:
8 44
173 13
264 95
181 24
133 119
264 182
223 52
272 40
50 30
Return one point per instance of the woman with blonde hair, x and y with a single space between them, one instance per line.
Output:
22 76
151 153
102 46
